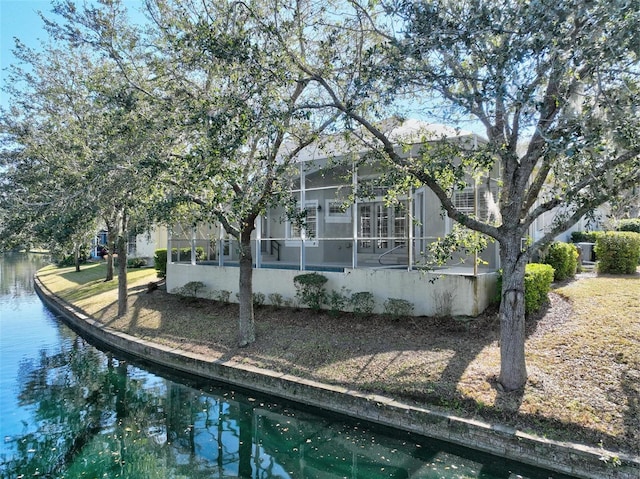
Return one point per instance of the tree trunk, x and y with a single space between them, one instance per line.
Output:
122 275
110 247
246 327
76 256
513 370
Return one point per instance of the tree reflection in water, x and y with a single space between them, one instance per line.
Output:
99 417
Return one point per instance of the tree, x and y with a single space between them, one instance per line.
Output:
553 85
230 103
239 118
82 141
43 195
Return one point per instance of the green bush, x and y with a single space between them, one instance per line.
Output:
537 284
337 301
160 262
136 262
618 252
584 236
276 299
630 224
190 289
563 257
221 295
310 290
258 299
397 308
362 302
64 259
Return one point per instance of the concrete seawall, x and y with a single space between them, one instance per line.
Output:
573 459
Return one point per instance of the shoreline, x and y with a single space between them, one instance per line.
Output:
563 457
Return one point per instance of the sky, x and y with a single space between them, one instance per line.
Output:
19 19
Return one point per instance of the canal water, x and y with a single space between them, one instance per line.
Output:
69 410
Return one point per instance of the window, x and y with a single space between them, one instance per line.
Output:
464 202
310 229
335 212
132 245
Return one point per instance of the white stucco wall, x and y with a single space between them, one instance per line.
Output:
455 294
147 243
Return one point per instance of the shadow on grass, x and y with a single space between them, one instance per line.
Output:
89 272
631 387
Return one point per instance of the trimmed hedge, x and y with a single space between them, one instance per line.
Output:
618 252
537 284
160 262
584 236
136 262
630 224
563 257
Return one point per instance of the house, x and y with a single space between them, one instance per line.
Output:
361 244
138 246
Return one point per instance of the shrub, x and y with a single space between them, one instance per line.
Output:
191 289
310 289
584 236
221 295
630 224
67 260
160 262
362 302
618 252
337 301
397 308
537 284
563 257
64 259
276 299
258 299
136 262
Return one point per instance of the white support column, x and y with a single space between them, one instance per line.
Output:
410 259
354 216
221 246
258 242
303 199
475 212
169 245
475 209
193 246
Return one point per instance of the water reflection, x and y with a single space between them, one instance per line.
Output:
16 273
80 412
96 416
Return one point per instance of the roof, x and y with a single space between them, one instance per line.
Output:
410 131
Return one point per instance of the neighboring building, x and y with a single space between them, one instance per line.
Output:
366 245
138 246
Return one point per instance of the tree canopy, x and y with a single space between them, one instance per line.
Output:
551 83
215 100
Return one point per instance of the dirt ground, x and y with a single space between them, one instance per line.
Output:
443 363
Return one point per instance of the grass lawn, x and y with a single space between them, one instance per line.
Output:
583 351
